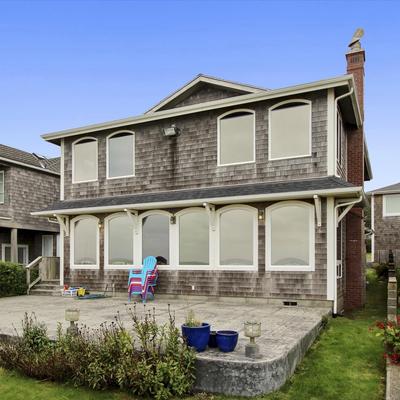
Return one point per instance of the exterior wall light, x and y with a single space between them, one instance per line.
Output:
173 130
252 329
72 315
261 215
172 220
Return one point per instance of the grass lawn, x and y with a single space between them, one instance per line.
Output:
345 363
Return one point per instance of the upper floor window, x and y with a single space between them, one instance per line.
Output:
391 205
1 187
290 130
85 242
121 155
290 236
236 137
84 160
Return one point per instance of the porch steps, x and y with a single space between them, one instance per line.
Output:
47 288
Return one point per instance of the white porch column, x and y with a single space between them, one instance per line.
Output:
331 250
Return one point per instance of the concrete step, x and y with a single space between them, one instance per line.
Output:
44 292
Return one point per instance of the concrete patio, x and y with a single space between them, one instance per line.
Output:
287 333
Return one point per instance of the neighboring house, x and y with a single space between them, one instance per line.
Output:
28 182
385 223
244 191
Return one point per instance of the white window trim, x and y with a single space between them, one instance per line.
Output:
74 181
175 238
304 101
3 187
106 243
289 268
219 140
20 246
385 213
254 212
140 237
52 243
72 243
108 159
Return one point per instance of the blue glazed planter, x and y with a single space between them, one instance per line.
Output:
227 340
197 337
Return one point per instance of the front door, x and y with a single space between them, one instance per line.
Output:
47 245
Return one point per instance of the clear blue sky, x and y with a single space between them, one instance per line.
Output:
67 64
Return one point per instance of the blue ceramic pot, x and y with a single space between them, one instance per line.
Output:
227 340
197 337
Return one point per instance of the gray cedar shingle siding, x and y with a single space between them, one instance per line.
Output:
261 284
387 230
28 190
190 160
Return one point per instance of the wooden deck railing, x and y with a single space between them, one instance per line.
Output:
28 268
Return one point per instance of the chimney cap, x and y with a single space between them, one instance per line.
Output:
355 44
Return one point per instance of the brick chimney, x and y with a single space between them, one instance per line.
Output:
355 245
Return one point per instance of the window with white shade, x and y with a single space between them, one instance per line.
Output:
236 137
237 236
84 160
194 238
391 205
85 242
155 236
290 236
2 187
290 130
119 240
121 155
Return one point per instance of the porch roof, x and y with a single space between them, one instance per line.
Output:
294 189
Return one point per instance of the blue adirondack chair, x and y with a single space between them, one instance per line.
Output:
142 281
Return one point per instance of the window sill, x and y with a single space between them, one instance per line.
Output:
78 182
290 268
238 163
111 178
84 267
289 158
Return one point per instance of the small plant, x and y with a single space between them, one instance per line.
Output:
12 279
150 361
191 321
390 333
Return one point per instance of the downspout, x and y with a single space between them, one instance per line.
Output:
336 222
335 122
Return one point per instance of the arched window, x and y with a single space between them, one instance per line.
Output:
121 154
290 129
194 237
155 235
290 236
85 242
236 137
119 240
84 160
237 235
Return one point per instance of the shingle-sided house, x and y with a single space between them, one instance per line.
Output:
28 182
385 223
244 191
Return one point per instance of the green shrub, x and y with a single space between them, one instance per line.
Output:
382 270
154 361
12 279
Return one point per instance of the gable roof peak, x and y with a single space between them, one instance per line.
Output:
200 79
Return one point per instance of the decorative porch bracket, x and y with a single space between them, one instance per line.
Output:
63 220
134 216
349 205
317 202
210 208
